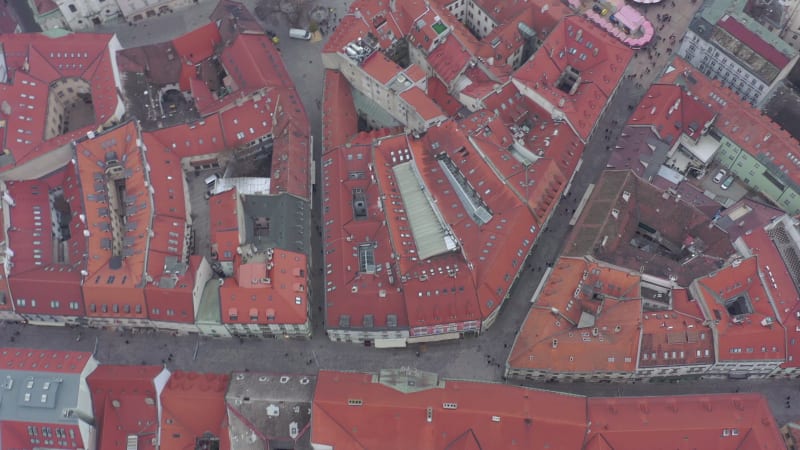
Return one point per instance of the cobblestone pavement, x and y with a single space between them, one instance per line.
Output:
479 358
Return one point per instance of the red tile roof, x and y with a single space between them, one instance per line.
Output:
463 415
358 410
677 336
550 338
185 394
380 68
225 232
36 274
33 62
53 361
600 66
124 403
671 111
200 138
340 119
269 291
752 338
341 266
785 295
740 421
745 125
197 45
752 40
422 104
437 91
253 61
449 59
105 284
170 296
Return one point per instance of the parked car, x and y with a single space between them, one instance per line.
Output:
720 175
727 183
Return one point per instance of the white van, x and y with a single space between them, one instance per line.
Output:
299 33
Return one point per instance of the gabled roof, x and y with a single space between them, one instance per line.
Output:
672 111
358 411
340 121
34 61
587 318
186 394
422 104
735 298
381 68
740 122
599 59
725 422
449 59
675 336
124 400
267 290
197 45
126 269
39 386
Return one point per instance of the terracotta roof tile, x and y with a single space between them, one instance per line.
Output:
265 292
599 59
340 121
677 336
185 394
422 104
449 59
461 414
553 337
748 329
33 62
381 68
225 232
694 421
124 404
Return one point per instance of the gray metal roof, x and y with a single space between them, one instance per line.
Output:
209 310
277 221
277 407
431 235
28 396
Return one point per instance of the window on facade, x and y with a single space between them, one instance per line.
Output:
55 304
104 308
20 302
74 305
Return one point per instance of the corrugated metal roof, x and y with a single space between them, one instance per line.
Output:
430 233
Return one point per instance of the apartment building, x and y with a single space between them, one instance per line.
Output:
752 147
725 43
